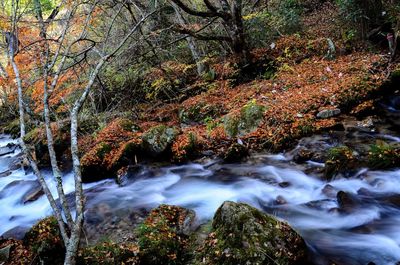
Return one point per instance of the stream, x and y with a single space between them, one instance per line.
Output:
364 229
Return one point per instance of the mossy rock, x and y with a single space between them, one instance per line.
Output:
199 112
247 121
108 253
383 155
158 139
244 235
235 153
340 159
13 129
46 242
164 235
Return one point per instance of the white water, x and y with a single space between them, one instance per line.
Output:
369 233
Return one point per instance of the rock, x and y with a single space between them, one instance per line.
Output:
6 150
280 200
16 232
5 174
5 253
242 234
158 139
328 113
302 155
340 160
347 202
329 191
16 251
45 240
244 122
164 234
33 194
109 253
235 153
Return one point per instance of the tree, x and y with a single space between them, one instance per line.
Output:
230 13
57 55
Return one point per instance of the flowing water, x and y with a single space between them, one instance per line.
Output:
366 229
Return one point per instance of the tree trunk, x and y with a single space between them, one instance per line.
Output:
196 52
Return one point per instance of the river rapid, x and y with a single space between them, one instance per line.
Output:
361 228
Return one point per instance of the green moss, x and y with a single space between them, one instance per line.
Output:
45 240
246 121
13 128
103 149
339 160
158 139
109 253
199 112
243 235
161 237
382 156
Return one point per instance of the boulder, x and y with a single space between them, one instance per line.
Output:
158 139
242 234
246 121
164 235
8 149
235 153
44 239
33 194
328 113
347 202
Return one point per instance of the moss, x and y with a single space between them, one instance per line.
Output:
199 112
13 129
162 238
340 159
102 150
45 240
243 235
246 121
109 253
382 156
158 139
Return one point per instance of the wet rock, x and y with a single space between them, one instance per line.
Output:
302 155
284 184
33 194
328 113
9 149
235 153
347 202
242 234
280 200
5 253
341 159
16 232
5 174
158 139
329 191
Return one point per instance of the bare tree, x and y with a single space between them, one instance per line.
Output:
54 64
